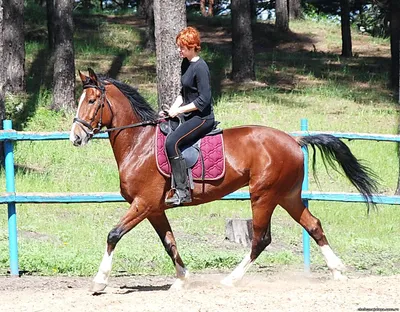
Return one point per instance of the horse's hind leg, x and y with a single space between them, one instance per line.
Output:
295 207
262 209
164 231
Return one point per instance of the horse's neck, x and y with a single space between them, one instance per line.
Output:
128 141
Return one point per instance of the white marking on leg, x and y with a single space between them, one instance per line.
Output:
104 269
239 272
182 275
333 262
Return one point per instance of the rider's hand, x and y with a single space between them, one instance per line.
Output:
163 113
173 112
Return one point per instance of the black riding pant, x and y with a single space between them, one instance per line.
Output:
188 133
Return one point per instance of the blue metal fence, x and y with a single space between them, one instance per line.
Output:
11 197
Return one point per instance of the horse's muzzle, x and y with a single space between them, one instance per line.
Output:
77 141
78 136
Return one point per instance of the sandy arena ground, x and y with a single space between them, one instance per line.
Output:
284 291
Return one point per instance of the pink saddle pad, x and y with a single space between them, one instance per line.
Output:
212 149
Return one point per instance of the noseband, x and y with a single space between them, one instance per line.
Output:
100 107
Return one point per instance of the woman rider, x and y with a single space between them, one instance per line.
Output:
194 106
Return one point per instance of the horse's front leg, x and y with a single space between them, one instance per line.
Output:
135 214
161 224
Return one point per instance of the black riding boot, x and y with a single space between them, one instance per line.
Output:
182 193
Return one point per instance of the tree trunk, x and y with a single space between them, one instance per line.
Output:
64 66
253 11
398 132
210 7
50 25
141 8
2 81
239 231
14 46
203 7
2 74
395 68
203 10
294 9
346 31
394 45
169 20
149 15
242 42
282 15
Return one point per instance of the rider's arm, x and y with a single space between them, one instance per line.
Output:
178 102
203 87
174 111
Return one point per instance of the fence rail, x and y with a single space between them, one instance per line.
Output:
24 198
11 197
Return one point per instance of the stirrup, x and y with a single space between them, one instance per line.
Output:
179 197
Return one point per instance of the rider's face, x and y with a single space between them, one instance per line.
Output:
184 51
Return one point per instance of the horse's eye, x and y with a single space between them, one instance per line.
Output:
92 101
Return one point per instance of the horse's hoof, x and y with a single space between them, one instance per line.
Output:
177 285
227 282
98 287
338 276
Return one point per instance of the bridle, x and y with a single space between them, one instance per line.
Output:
100 107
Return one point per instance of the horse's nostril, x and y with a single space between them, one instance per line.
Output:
77 140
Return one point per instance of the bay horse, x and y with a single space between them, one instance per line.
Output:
269 162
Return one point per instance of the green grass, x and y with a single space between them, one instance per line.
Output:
334 94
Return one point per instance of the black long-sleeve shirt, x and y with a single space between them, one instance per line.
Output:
196 88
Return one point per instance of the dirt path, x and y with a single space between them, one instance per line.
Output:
275 292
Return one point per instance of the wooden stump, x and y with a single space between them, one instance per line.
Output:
239 231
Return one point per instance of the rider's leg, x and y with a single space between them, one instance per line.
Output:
188 133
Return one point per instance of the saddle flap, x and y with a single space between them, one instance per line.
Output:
210 166
190 154
164 127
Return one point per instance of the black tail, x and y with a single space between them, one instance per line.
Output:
333 149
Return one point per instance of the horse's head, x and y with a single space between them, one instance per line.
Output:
93 113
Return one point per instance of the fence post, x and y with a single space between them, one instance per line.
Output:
306 237
10 188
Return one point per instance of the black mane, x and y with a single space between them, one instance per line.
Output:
140 106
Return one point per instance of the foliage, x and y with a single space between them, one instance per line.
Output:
374 19
370 17
311 13
14 105
34 15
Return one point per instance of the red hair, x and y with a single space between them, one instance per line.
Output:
190 38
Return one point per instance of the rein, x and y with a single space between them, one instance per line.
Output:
139 124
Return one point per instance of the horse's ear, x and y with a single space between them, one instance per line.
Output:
93 76
83 77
